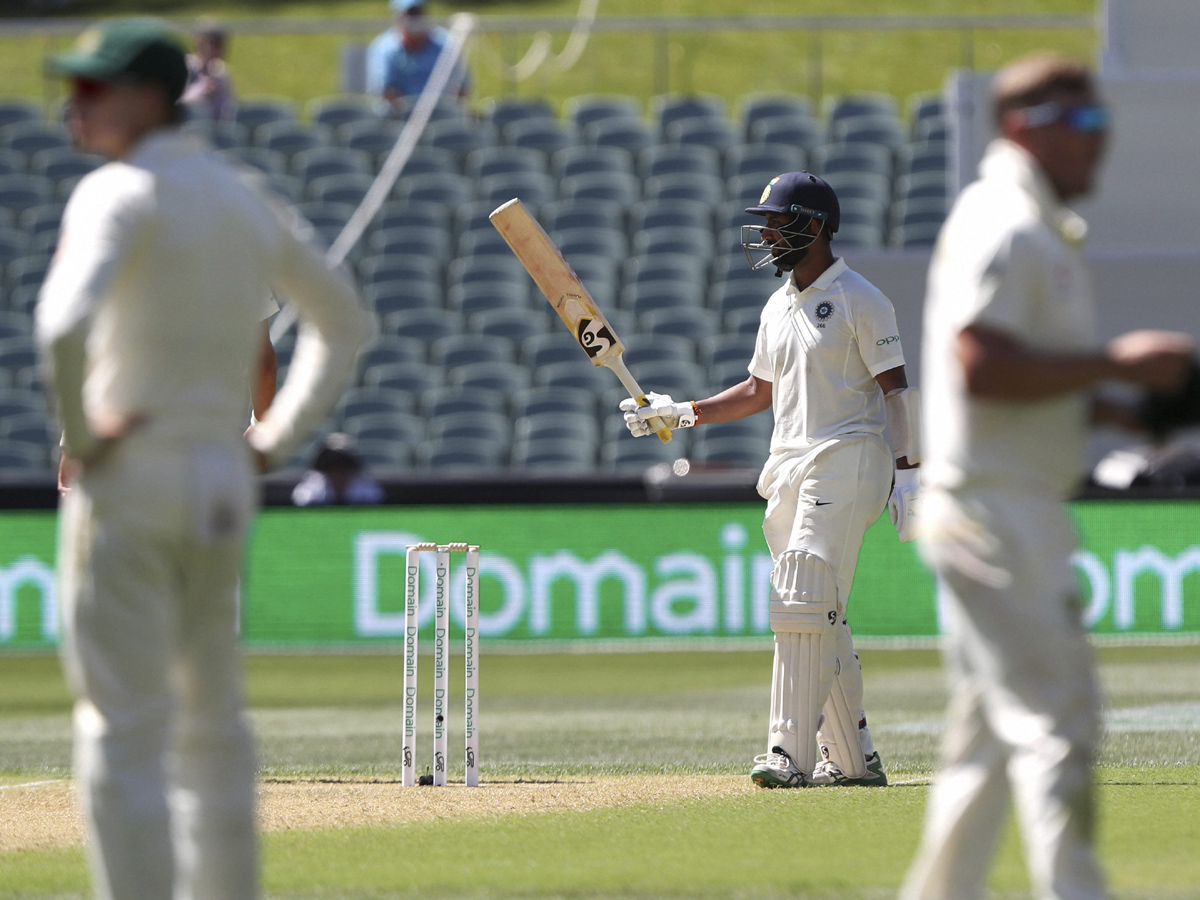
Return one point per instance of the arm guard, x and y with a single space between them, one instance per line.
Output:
904 423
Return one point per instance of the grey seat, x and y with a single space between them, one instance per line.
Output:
340 188
289 138
30 137
12 162
378 269
627 453
531 188
415 378
553 456
515 324
832 159
504 111
551 347
255 113
449 401
653 296
763 161
630 135
731 452
585 109
686 321
795 132
476 245
462 349
682 380
444 188
451 454
14 111
607 242
620 187
22 456
221 135
433 243
916 235
575 374
691 240
412 214
269 161
318 162
374 137
713 134
860 237
425 324
845 106
538 400
564 422
546 136
21 192
506 377
559 215
885 131
675 213
25 272
684 186
668 159
584 159
475 298
458 136
667 109
366 401
932 156
503 160
756 107
644 348
57 163
390 426
390 348
401 294
335 112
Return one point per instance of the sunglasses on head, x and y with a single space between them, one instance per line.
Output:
1082 119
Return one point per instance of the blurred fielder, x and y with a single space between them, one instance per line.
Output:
1010 356
828 351
149 324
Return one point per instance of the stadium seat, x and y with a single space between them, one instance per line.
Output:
547 136
652 296
684 186
932 129
667 109
30 137
714 134
551 347
12 162
24 298
18 352
727 374
886 131
506 377
389 348
57 163
756 107
375 137
616 186
693 240
424 324
630 135
269 161
335 112
585 159
625 453
415 378
42 218
503 160
681 269
539 400
607 242
449 401
689 322
15 111
644 348
833 159
686 213
458 136
860 237
860 186
462 349
289 138
415 214
19 402
926 157
487 270
863 212
340 188
15 324
446 188
683 380
429 160
378 269
923 185
21 456
917 235
585 109
503 111
327 218
21 192
923 107
13 243
560 215
564 422
220 135
532 188
320 162
394 425
475 298
730 452
514 324
763 161
367 401
452 454
916 211
839 107
253 113
577 373
383 454
480 243
801 133
668 159
554 456
25 272
400 294
746 190
428 242
743 322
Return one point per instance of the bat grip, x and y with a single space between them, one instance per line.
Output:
617 364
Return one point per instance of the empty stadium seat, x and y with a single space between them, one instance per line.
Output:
11 162
756 107
21 192
684 186
547 136
319 162
585 109
374 136
462 349
538 400
458 136
220 135
253 113
730 452
14 111
560 215
631 135
833 159
844 106
395 426
433 243
916 235
387 348
584 159
58 163
763 161
30 137
269 161
449 401
578 373
378 269
667 159
412 214
445 188
693 240
400 294
689 322
644 348
289 138
531 188
364 401
932 156
503 111
652 296
506 377
802 133
515 324
554 456
675 213
503 160
349 188
667 109
625 454
860 236
886 131
453 454
592 241
334 112
425 324
415 378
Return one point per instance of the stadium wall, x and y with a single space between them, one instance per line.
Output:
558 574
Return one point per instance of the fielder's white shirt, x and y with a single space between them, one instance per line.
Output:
1010 258
821 349
154 302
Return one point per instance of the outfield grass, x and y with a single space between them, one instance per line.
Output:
730 64
551 722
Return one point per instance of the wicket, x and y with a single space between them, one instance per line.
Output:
441 625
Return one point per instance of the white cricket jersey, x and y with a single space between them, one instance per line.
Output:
821 349
1009 258
154 302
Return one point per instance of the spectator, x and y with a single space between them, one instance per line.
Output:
337 477
209 92
400 60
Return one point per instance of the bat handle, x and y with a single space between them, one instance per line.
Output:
617 364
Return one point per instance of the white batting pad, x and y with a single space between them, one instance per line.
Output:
803 614
838 735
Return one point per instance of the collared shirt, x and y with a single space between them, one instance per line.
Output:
154 302
1009 258
390 65
821 349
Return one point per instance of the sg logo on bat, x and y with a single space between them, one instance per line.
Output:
594 336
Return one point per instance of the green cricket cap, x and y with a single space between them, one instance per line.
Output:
142 50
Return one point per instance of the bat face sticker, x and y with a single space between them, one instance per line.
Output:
593 336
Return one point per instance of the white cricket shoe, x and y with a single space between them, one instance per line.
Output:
830 773
777 770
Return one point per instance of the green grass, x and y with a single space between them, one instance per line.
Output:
729 64
579 716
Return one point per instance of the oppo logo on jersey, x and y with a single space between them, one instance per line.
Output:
890 339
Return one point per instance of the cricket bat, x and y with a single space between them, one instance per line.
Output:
570 299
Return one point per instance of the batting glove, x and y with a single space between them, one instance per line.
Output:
658 406
902 506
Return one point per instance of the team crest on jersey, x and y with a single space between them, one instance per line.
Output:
824 310
767 190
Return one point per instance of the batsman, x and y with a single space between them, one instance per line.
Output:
828 362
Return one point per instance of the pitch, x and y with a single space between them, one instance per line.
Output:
605 776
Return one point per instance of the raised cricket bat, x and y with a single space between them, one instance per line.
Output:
570 299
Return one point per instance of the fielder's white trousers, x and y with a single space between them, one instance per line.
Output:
150 546
1024 714
824 501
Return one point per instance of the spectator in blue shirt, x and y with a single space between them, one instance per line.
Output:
400 60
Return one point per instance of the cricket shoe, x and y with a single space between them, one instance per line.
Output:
829 774
777 770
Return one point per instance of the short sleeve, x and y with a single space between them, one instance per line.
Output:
760 364
876 331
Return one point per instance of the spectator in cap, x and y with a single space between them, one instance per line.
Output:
337 477
209 92
148 328
400 61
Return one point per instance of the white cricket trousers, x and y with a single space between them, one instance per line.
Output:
824 501
1024 714
150 547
